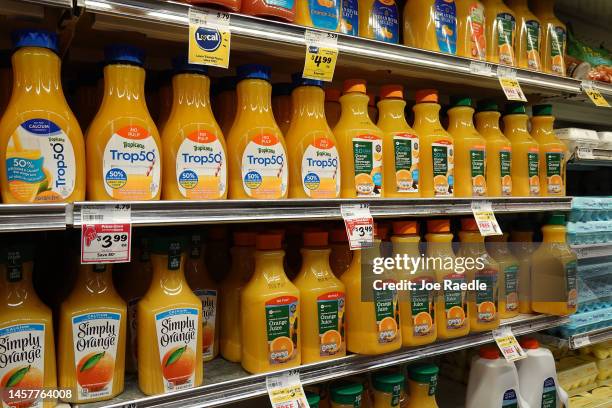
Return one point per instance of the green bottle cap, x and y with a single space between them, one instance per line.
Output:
423 373
313 399
386 382
347 393
556 219
460 100
487 105
515 108
542 110
165 244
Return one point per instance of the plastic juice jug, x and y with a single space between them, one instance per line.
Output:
471 29
350 17
401 154
257 152
431 25
323 299
452 317
26 328
313 156
322 14
269 312
422 385
522 248
500 32
417 305
224 106
525 152
554 36
41 143
341 255
553 152
169 327
470 150
123 145
528 36
379 20
347 395
92 335
508 278
194 152
332 106
387 389
499 150
276 10
553 271
281 105
360 144
436 161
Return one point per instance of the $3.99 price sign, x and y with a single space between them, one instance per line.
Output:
321 55
359 225
106 232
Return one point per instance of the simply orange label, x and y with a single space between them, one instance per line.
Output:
281 329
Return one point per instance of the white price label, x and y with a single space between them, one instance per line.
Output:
485 218
581 340
359 225
508 345
285 390
106 233
510 85
481 68
584 152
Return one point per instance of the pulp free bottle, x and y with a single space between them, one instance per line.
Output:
422 385
281 105
523 247
379 20
471 29
41 146
528 36
194 152
436 155
224 106
123 145
256 147
270 312
341 255
500 30
470 150
554 36
431 25
401 153
553 152
508 278
387 389
318 14
360 144
169 326
332 106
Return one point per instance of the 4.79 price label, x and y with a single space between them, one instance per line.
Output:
106 234
321 55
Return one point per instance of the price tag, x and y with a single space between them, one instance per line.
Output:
106 232
581 340
508 344
359 225
584 152
485 218
209 37
321 55
510 85
481 68
595 96
285 390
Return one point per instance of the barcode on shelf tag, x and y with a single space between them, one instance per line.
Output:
596 97
485 218
359 225
106 232
285 390
584 152
321 55
209 37
508 344
510 85
481 68
581 340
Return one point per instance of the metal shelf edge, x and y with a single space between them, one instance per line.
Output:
594 336
53 3
588 251
33 217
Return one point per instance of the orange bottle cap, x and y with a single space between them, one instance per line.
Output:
405 227
315 238
489 352
354 85
338 235
438 225
269 241
372 99
392 91
469 224
529 343
244 238
426 95
332 94
217 232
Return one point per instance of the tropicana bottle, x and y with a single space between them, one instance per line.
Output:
528 36
553 152
123 145
554 36
500 31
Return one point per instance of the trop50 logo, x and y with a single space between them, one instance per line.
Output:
208 39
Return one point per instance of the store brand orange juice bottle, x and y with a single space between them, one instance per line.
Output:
470 150
471 29
401 153
508 278
41 146
332 106
360 144
387 389
224 106
527 46
324 15
256 147
341 255
522 246
169 325
554 36
123 145
553 152
431 25
422 386
436 155
379 20
500 29
281 105
348 395
314 164
499 150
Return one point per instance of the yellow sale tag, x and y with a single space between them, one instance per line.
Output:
595 96
209 37
508 345
285 390
485 218
510 85
321 55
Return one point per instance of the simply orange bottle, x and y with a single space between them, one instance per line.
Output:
256 147
332 106
379 20
341 255
553 152
554 36
360 144
436 155
471 29
522 247
123 145
470 149
41 146
527 46
401 153
194 153
281 105
224 106
500 32
508 279
431 25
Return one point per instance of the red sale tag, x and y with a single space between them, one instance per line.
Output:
359 225
106 232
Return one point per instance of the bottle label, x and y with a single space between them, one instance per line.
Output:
533 166
131 167
386 309
385 21
533 44
442 162
350 17
368 161
264 167
395 395
22 361
40 162
422 308
285 4
201 166
477 38
209 318
433 385
95 337
511 287
505 160
177 339
454 302
549 393
324 13
558 37
330 311
477 168
486 300
509 399
406 154
572 291
445 16
281 329
14 266
321 169
554 177
133 328
506 26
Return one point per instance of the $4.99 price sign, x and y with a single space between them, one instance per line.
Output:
106 232
321 55
359 225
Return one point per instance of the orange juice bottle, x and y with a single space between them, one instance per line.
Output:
270 312
26 329
341 255
387 389
281 105
379 20
41 143
499 150
322 14
522 247
401 154
313 157
323 301
525 169
417 309
431 25
554 36
194 152
256 147
349 23
470 150
347 395
471 29
123 145
422 385
528 36
452 317
332 106
224 106
508 279
92 332
553 152
169 327
360 144
436 161
500 29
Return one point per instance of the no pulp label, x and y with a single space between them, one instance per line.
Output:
209 37
285 390
321 55
106 232
510 85
485 218
359 225
595 96
508 345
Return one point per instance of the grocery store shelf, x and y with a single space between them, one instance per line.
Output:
52 3
23 217
588 251
592 337
591 157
